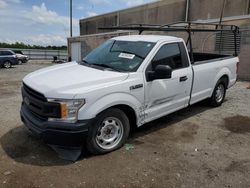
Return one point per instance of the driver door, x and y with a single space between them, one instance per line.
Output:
163 96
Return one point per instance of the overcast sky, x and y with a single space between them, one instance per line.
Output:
46 22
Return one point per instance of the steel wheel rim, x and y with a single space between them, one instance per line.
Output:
110 133
219 93
20 62
7 65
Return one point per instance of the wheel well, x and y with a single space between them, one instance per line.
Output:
130 114
225 79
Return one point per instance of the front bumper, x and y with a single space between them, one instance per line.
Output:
56 133
25 60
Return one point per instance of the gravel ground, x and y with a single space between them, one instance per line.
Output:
195 147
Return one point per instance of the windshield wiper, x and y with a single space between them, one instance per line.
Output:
100 65
85 62
105 66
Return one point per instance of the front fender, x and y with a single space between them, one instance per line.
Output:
108 101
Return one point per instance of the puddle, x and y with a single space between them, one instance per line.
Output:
238 124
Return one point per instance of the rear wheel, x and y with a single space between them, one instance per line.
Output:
7 64
219 94
108 132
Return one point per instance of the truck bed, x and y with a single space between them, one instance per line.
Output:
207 71
200 58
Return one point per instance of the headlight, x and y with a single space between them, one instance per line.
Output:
69 109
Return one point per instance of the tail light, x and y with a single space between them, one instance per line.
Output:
237 67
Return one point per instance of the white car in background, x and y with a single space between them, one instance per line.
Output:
21 57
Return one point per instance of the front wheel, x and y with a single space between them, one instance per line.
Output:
108 132
7 64
219 94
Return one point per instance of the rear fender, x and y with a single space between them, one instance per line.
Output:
223 72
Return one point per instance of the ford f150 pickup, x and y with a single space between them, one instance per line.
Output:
125 82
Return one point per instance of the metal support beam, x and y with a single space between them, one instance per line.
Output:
176 27
248 7
190 45
235 44
222 10
187 10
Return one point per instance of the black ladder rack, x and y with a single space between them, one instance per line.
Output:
189 27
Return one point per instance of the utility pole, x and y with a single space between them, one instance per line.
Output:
70 18
69 57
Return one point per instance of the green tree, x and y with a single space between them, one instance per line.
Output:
21 45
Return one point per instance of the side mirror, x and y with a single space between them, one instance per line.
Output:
161 72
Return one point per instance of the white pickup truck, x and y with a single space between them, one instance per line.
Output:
126 82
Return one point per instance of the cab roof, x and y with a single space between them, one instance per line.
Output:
147 38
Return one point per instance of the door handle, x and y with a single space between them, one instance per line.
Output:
183 78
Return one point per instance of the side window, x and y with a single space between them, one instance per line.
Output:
3 53
9 53
168 54
6 53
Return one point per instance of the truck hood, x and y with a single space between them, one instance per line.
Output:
69 79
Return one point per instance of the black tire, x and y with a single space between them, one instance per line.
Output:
216 101
20 62
7 64
98 127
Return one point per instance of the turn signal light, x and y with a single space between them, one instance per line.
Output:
64 110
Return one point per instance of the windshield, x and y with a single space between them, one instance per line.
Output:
123 56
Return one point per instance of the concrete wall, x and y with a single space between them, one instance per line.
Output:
165 11
210 9
155 13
